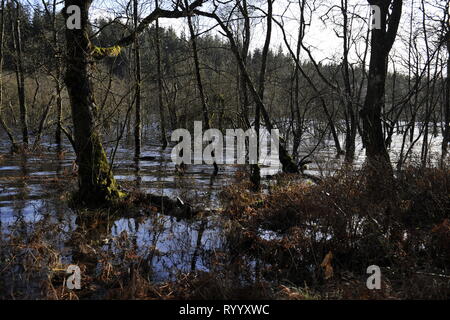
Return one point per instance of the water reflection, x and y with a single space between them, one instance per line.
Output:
33 190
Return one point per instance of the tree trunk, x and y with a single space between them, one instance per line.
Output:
2 121
256 172
381 44
96 181
137 74
42 122
446 133
244 99
58 80
198 77
20 77
296 114
424 154
350 134
160 85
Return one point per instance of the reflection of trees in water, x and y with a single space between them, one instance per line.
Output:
157 247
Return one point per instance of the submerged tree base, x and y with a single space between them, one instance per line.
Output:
97 186
102 197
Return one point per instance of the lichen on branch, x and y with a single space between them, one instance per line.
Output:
100 52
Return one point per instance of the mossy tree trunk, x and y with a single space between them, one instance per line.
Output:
96 181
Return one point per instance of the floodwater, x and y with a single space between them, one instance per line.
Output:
33 190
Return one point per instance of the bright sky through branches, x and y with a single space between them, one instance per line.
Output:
324 24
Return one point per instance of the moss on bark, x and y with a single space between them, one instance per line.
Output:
100 53
97 186
96 181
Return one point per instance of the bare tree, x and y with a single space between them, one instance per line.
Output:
2 120
286 161
381 44
20 77
446 105
198 77
160 82
137 75
351 119
256 174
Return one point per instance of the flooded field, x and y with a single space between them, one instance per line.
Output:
34 193
34 190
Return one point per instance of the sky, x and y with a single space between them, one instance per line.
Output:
321 35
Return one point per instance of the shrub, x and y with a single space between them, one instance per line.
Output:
404 231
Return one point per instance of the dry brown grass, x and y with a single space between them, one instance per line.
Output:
297 241
405 232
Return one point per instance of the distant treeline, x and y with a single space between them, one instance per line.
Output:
173 78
